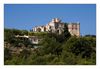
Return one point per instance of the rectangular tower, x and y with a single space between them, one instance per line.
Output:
74 29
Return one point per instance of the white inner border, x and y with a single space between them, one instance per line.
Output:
2 2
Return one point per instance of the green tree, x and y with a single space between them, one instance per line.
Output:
66 33
50 45
7 54
79 46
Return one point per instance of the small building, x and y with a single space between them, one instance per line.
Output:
32 39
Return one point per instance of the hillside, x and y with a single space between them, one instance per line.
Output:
53 49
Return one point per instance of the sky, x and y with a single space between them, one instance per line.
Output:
27 16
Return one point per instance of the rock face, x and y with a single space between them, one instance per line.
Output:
56 26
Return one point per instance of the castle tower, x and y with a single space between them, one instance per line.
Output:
57 26
56 20
74 29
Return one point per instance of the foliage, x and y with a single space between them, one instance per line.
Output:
7 54
83 46
37 33
48 46
66 32
54 49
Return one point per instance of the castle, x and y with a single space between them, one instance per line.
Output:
54 26
57 26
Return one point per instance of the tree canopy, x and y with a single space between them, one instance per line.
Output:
54 49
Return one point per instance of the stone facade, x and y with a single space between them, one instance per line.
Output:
56 26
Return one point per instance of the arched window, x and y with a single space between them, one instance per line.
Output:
38 29
44 28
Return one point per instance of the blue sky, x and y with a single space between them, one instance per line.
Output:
26 16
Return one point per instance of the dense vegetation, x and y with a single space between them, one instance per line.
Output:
54 49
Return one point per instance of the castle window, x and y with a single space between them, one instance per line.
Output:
57 31
75 27
72 27
50 27
44 28
39 30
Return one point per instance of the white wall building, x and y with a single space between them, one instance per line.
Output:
56 26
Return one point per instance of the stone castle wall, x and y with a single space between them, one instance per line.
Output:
56 25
